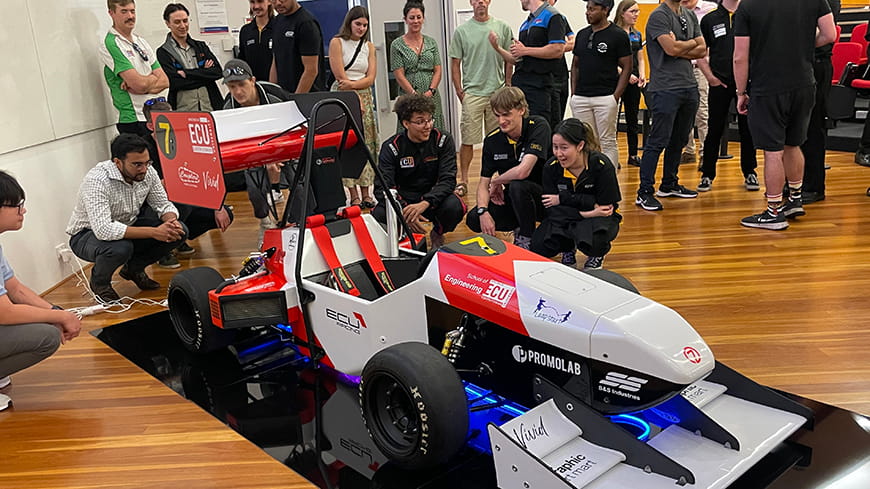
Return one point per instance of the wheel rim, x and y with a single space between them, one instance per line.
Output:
395 417
183 316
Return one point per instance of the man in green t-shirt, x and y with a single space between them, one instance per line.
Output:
477 70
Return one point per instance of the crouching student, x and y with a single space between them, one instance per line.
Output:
581 196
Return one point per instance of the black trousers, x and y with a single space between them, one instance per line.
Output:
444 218
107 256
719 104
817 132
864 145
631 107
138 128
537 87
559 96
522 209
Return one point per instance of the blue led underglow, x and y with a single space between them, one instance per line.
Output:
484 396
633 421
286 329
256 348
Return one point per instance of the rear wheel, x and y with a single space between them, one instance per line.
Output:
190 313
414 405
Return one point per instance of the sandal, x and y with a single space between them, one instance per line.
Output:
368 202
461 189
355 202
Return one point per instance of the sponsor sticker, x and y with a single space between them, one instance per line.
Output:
353 323
487 288
621 385
550 314
692 354
524 355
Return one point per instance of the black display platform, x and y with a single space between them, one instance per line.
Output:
272 397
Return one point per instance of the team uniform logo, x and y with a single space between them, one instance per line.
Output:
406 162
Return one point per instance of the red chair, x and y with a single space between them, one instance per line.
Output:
844 53
839 32
859 35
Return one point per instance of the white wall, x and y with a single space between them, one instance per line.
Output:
56 117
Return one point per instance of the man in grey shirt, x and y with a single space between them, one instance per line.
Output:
674 39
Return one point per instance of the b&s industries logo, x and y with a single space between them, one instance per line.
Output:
621 385
523 355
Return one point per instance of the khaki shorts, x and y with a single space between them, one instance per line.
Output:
476 115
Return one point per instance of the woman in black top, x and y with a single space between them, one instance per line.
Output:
581 195
626 17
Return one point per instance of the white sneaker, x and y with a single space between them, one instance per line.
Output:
5 401
5 381
277 196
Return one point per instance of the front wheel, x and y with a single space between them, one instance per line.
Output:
414 405
190 313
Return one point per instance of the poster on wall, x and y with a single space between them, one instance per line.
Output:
212 16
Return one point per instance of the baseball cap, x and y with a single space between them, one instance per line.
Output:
237 70
608 4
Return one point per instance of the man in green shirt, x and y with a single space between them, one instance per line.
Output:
477 70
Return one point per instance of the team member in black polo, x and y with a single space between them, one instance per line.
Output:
511 201
420 163
718 32
297 49
581 194
537 55
255 39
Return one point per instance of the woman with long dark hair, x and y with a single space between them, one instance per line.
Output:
626 17
581 196
354 65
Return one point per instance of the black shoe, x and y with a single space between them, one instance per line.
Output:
792 208
810 197
140 278
766 220
105 293
676 191
862 158
648 202
633 161
868 192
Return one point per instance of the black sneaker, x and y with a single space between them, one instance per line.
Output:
676 191
705 185
648 202
594 263
185 249
792 208
168 261
569 258
862 157
105 293
633 161
751 182
140 278
766 220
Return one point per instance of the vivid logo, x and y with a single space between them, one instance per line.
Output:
352 324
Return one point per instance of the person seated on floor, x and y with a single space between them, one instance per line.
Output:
581 196
31 329
262 183
198 220
105 228
420 164
511 201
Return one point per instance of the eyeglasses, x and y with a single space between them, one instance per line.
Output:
19 205
236 70
152 101
140 51
423 122
142 164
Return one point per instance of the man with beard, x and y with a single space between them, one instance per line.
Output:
105 228
130 68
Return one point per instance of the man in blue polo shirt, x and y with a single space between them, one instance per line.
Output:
537 55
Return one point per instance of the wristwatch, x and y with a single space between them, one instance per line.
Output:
431 90
482 210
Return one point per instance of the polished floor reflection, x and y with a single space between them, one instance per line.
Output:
310 419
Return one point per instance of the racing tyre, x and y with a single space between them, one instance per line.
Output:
189 310
414 405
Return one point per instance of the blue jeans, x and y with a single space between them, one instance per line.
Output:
107 256
673 115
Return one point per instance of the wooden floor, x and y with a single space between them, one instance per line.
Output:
788 308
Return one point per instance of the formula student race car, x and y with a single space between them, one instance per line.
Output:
424 330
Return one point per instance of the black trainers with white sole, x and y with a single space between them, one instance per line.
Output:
676 191
648 202
766 220
792 208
